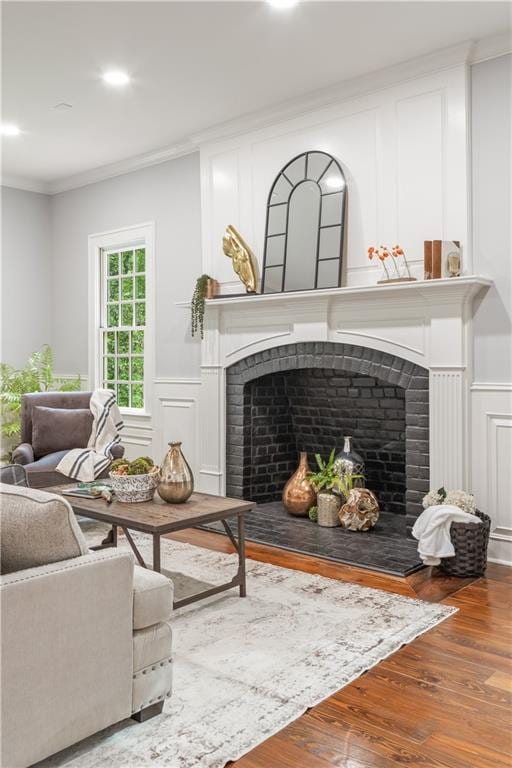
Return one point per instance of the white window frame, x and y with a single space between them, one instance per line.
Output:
117 239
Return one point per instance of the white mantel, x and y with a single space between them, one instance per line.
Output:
426 322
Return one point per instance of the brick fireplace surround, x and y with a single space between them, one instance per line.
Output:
306 396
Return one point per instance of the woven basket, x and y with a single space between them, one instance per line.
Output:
470 542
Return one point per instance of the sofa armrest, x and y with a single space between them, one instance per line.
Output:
67 655
23 454
153 595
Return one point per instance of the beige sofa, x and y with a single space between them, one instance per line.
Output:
85 635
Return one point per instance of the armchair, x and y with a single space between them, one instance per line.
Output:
85 635
39 462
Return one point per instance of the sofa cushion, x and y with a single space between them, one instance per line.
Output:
152 598
59 429
36 528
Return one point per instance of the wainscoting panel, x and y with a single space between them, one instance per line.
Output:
491 443
176 417
137 436
403 151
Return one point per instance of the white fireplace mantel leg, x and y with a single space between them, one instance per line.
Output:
448 418
212 421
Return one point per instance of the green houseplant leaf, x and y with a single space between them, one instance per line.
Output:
36 376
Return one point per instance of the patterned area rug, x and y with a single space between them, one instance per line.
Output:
245 668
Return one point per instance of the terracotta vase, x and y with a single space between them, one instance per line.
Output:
212 288
176 478
298 494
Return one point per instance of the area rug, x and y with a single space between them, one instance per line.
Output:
246 667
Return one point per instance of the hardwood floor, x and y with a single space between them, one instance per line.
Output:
443 701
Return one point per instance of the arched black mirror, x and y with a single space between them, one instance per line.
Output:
305 225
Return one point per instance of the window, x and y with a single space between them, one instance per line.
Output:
123 325
121 306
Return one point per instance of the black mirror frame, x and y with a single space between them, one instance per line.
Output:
343 192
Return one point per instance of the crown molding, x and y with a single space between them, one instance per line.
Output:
491 47
470 52
27 185
120 168
362 85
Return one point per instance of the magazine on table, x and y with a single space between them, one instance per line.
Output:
92 490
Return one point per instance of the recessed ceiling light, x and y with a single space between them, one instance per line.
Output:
282 4
10 130
116 77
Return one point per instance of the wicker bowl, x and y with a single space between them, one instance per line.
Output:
133 488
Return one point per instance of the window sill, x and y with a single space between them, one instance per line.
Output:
136 413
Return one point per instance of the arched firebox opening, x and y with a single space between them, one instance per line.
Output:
307 396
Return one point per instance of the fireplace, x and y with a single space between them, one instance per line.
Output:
307 396
411 338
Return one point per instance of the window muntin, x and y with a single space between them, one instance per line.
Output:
123 324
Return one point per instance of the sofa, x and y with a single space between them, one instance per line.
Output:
86 640
47 438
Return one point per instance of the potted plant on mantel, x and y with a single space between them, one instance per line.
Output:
206 288
330 488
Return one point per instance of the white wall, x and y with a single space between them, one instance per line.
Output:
403 151
491 391
26 274
167 194
491 96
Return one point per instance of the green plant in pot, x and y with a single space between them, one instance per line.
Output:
135 480
36 376
197 305
330 489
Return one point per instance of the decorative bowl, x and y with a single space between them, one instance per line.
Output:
133 488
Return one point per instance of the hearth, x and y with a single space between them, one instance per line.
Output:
307 396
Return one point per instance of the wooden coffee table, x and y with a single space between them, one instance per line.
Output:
157 518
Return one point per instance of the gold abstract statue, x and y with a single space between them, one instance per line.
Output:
243 259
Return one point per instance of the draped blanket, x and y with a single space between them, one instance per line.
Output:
86 464
432 530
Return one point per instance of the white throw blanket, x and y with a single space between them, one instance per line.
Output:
432 529
86 464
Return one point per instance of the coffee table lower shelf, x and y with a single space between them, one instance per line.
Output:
239 544
156 518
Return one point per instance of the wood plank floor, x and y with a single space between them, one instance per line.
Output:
443 701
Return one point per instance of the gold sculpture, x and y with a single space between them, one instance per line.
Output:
242 257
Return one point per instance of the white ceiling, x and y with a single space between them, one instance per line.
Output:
193 64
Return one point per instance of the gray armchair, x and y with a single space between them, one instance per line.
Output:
44 440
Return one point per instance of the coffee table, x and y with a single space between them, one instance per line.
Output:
157 518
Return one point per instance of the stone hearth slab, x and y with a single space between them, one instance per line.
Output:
385 548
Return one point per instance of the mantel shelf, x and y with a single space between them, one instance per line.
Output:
430 290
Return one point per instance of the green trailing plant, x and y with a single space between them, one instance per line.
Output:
36 376
197 305
313 514
327 480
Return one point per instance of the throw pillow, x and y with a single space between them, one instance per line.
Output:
59 429
36 528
